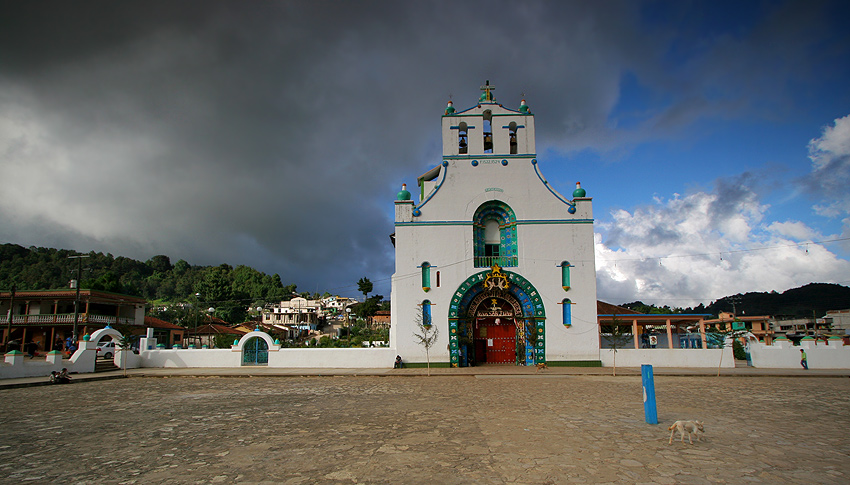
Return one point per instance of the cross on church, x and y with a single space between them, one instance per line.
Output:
488 96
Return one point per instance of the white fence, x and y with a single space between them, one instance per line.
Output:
785 355
695 358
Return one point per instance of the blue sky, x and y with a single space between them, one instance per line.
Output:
276 134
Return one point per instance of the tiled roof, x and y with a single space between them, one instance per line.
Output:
603 308
157 323
214 329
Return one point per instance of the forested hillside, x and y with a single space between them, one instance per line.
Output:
810 300
230 290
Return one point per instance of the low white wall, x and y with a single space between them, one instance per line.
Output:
190 358
284 358
785 355
699 358
328 358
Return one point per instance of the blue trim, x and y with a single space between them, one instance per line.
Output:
467 157
518 222
517 127
546 184
417 210
458 127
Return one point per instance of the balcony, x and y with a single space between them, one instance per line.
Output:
501 261
68 319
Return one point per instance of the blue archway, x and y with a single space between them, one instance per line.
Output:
512 288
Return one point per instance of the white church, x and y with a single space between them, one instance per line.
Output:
489 253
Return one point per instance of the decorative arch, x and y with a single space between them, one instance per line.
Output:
105 332
487 254
525 302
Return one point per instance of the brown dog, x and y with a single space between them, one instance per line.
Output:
541 366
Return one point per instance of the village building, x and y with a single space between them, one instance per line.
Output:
47 317
490 254
299 313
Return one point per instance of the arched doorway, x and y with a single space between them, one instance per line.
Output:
496 317
255 352
494 327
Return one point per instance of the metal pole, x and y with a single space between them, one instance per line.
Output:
79 259
649 409
9 320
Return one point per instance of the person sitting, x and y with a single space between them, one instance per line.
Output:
54 377
398 363
64 378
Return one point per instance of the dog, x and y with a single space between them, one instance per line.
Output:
689 427
541 366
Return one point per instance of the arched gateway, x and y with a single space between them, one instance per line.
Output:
496 317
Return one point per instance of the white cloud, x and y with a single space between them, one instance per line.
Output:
830 176
704 246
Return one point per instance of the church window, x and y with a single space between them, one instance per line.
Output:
438 279
568 311
488 131
462 139
565 275
426 276
494 235
426 313
512 135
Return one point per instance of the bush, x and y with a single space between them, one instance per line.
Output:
738 350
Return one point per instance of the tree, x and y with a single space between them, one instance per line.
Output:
617 335
364 286
426 337
125 343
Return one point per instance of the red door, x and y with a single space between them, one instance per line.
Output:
495 343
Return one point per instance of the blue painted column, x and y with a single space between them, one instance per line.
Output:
649 410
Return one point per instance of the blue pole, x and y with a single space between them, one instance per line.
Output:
649 410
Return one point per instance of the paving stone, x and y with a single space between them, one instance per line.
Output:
585 429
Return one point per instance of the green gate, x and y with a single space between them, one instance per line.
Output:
255 352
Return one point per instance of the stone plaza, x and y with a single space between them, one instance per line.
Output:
548 427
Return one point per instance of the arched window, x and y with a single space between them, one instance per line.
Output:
426 313
462 140
565 275
488 131
568 311
512 135
494 235
426 276
438 279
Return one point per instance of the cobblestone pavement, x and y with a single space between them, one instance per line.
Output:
485 429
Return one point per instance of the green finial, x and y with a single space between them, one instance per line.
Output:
403 194
579 192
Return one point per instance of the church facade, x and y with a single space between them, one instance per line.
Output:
490 255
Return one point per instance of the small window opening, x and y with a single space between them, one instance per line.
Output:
512 134
438 279
462 140
488 132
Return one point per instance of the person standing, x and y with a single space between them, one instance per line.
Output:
803 361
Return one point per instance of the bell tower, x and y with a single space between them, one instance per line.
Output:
488 129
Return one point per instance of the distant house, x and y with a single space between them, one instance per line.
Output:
299 313
380 319
206 334
759 326
838 321
47 316
165 332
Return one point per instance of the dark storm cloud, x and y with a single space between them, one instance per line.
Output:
276 134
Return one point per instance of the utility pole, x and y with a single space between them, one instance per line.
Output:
79 259
9 320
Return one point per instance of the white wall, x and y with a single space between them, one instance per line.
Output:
694 358
784 355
